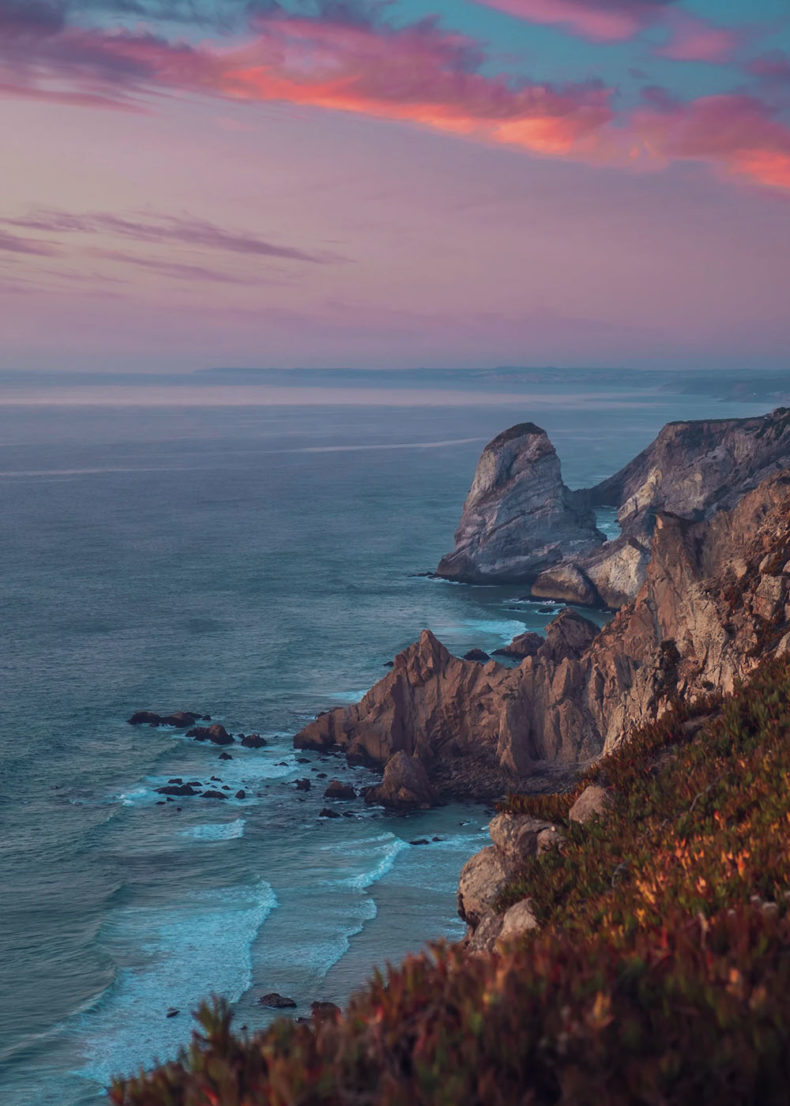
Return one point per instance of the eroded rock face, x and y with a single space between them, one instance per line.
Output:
693 470
519 517
715 600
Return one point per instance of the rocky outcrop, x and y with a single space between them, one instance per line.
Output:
520 522
519 517
485 876
693 470
715 599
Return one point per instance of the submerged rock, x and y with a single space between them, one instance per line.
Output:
338 790
276 1001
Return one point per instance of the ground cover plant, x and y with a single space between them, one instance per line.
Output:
660 976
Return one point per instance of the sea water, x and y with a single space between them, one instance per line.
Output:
258 562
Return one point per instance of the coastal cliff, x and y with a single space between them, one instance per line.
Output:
692 469
715 599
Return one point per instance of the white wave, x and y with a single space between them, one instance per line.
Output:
169 957
385 847
218 831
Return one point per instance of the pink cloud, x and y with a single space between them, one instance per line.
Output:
735 132
418 74
600 20
694 39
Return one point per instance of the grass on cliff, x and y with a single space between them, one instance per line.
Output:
661 975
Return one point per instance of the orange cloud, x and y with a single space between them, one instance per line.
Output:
419 74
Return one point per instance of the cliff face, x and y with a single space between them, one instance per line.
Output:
520 522
692 469
519 517
715 599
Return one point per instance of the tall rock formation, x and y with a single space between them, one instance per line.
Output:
519 517
715 599
520 523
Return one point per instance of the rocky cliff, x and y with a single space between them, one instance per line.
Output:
518 517
715 599
692 470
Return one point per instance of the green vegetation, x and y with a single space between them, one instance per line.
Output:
661 975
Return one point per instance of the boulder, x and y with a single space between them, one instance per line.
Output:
483 879
477 655
338 790
177 789
516 835
405 785
327 812
483 937
518 920
567 583
594 802
303 784
213 794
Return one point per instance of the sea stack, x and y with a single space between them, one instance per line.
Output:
519 518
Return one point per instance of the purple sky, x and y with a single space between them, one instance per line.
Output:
448 182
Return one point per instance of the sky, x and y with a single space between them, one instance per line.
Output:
363 183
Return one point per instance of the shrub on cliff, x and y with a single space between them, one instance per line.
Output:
661 976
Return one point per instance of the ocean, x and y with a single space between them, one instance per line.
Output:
254 550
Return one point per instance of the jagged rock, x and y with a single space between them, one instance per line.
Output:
516 835
338 790
524 645
518 920
519 517
704 617
594 802
694 467
483 879
477 655
568 636
405 785
216 733
276 1001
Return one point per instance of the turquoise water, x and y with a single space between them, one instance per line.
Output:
258 563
